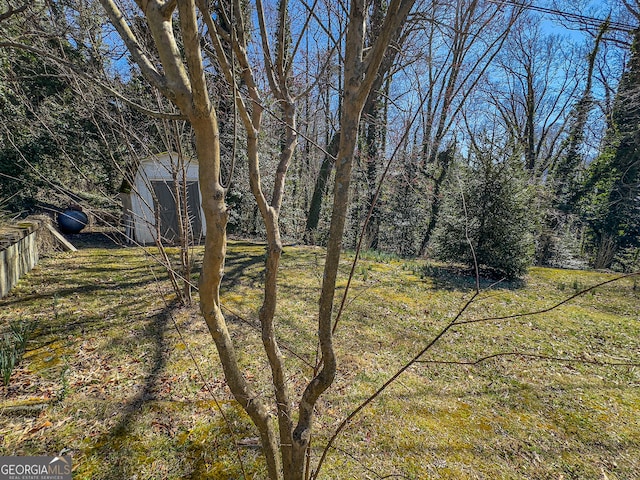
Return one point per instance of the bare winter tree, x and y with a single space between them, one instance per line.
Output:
172 60
461 47
536 92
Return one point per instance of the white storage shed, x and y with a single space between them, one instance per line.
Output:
150 203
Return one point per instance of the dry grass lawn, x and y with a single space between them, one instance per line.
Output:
128 383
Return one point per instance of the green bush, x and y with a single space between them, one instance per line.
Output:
488 204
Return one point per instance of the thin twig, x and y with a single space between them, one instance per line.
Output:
368 469
455 322
298 132
466 235
530 355
370 212
552 307
392 379
78 71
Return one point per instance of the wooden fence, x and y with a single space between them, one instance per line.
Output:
18 252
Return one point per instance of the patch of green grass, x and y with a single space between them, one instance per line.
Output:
108 378
12 346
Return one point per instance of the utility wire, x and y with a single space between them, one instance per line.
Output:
584 19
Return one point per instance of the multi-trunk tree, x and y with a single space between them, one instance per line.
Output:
180 46
176 68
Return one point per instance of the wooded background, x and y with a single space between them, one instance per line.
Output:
529 112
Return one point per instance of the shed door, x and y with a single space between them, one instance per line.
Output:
166 212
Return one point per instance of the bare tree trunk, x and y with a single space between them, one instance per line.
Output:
322 381
359 76
375 129
444 160
372 107
474 25
267 311
529 140
212 271
315 207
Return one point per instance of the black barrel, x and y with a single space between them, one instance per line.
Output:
72 221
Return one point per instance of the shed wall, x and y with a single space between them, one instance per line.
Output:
153 169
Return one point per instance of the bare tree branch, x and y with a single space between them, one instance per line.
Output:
104 86
361 238
453 323
14 11
536 356
552 307
128 37
391 380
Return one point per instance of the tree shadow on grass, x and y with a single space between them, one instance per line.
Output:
107 240
102 271
130 442
241 259
113 447
460 278
72 318
80 290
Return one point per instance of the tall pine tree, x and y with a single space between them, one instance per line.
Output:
486 205
611 203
